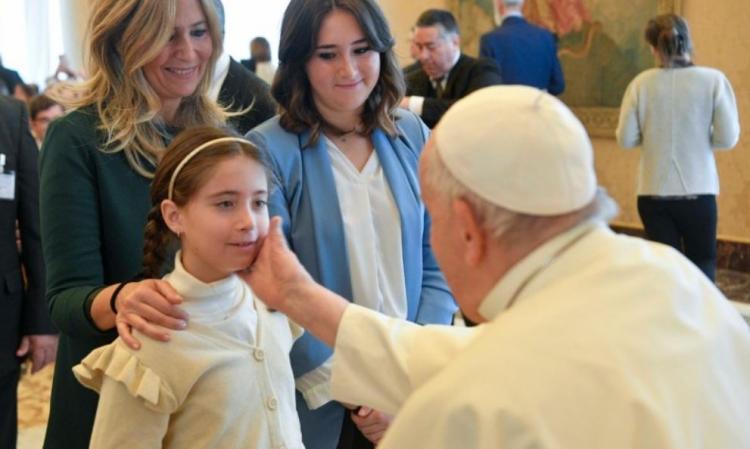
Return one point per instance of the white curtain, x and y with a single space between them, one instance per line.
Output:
31 38
246 19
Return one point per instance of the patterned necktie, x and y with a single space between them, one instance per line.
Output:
439 90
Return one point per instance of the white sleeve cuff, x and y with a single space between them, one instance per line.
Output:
315 385
415 104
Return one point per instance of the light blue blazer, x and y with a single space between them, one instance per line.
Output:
307 201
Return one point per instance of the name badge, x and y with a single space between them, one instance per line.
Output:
8 186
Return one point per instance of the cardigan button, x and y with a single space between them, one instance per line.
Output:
272 404
259 355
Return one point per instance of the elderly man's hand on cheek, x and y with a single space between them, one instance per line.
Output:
276 272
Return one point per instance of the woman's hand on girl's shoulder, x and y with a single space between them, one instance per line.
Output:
151 307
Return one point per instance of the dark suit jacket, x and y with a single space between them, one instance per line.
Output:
411 69
526 54
468 75
241 88
248 64
23 310
10 78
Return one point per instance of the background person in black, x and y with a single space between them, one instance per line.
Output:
240 89
446 75
12 80
25 327
260 51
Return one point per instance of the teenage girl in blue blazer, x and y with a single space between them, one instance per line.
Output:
345 159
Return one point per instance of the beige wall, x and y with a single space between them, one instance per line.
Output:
75 15
401 16
720 42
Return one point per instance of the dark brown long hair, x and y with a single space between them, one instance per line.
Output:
158 239
291 87
670 36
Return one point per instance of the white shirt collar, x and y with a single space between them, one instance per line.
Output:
444 79
221 69
511 14
516 279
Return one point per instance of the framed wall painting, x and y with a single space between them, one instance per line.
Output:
600 45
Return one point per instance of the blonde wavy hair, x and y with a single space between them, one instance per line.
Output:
124 36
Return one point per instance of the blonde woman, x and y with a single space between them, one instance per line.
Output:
345 157
151 63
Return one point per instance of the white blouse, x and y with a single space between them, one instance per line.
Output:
372 231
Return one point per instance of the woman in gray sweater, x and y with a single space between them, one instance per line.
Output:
678 113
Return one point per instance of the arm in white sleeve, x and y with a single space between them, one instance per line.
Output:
415 104
122 420
725 123
628 131
315 386
378 361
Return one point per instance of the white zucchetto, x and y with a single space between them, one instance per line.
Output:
519 148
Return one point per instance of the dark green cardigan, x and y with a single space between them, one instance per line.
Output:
93 210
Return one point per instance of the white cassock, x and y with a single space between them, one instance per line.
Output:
612 342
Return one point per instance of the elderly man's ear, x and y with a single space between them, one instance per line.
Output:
473 235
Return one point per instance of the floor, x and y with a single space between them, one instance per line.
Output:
735 285
33 408
33 390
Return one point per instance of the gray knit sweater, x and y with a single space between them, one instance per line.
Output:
678 116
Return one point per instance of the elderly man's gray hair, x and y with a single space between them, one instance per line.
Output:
512 2
498 221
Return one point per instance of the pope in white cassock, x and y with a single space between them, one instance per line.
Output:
589 339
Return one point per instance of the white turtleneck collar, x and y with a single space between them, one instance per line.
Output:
206 301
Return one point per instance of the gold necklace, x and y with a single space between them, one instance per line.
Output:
338 134
345 137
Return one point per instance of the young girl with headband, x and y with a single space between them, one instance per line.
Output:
225 381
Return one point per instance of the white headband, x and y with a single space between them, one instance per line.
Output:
196 151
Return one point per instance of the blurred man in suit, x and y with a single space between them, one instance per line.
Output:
43 110
526 53
260 61
12 81
445 74
238 88
25 327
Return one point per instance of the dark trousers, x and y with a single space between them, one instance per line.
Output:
351 437
687 224
9 409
